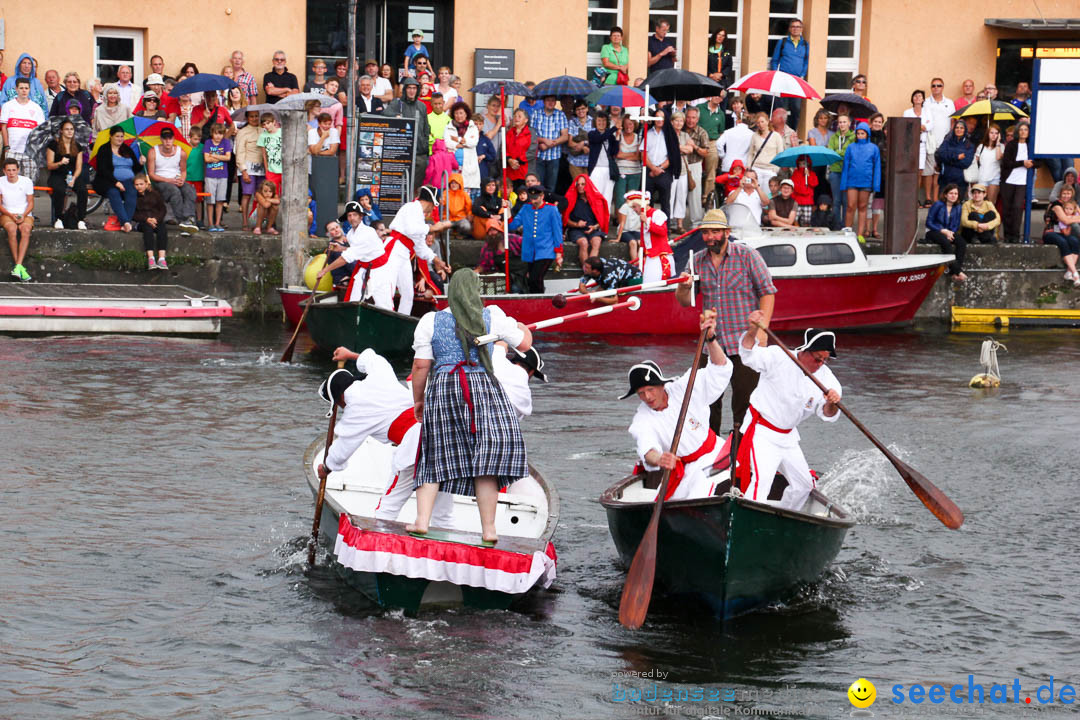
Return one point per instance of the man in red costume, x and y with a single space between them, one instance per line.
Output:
658 262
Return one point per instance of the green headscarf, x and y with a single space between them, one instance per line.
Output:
463 297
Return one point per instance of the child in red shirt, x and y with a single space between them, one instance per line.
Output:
731 179
805 180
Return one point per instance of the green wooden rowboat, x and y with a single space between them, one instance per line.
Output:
359 326
735 554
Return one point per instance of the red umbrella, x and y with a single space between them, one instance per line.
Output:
777 83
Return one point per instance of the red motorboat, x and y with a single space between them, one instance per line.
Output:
823 279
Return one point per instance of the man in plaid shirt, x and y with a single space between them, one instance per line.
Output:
552 129
734 281
243 78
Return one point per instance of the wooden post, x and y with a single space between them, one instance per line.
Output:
350 112
902 185
294 197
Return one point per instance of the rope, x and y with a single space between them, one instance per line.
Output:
988 357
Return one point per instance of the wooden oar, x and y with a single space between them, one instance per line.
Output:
633 303
935 501
286 357
560 300
314 541
639 581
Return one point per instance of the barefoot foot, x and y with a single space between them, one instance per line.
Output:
416 529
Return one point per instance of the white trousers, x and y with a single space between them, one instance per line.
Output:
766 458
601 178
358 286
658 268
696 482
403 282
678 197
398 491
381 284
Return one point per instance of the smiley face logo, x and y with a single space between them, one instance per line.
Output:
862 693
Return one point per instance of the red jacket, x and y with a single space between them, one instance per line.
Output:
517 147
805 181
597 203
730 181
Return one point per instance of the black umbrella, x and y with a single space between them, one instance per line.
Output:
46 132
853 101
492 87
563 85
681 85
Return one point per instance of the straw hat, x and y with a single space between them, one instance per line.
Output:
714 219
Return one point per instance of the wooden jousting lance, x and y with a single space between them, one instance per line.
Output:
560 300
633 304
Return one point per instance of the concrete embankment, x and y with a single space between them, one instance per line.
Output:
245 269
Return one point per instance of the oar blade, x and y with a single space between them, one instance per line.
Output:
637 592
935 501
286 357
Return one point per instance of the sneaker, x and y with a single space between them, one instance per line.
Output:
112 223
162 265
59 224
82 225
23 275
1068 275
189 226
217 228
150 264
16 272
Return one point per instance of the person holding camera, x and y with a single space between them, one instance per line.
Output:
750 195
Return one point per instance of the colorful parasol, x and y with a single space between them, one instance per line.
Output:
144 131
776 83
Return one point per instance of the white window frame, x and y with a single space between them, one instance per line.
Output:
137 50
677 35
592 59
845 64
797 15
736 58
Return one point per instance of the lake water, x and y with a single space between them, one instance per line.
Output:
155 514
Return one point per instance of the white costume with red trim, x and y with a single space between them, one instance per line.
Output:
783 398
699 446
659 264
365 249
381 408
408 236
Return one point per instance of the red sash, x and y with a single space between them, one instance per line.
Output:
746 456
680 464
402 424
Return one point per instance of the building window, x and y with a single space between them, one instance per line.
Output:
781 13
114 47
670 10
603 15
727 14
842 54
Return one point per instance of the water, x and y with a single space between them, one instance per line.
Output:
155 515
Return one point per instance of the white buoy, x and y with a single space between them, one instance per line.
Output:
991 375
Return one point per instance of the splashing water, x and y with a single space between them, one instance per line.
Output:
863 482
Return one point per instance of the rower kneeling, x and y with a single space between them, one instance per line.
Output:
471 442
783 398
374 404
655 421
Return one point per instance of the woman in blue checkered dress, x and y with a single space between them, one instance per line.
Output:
470 443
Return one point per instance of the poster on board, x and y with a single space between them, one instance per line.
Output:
384 159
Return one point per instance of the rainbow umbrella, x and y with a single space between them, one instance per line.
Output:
144 131
621 95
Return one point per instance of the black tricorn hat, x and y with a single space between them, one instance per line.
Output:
814 340
333 388
530 360
642 375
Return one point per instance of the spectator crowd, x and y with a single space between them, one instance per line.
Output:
606 170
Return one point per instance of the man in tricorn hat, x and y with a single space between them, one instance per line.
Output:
376 405
653 427
783 398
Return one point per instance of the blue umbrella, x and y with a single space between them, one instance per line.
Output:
620 95
563 85
818 156
203 82
492 87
